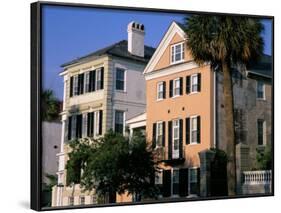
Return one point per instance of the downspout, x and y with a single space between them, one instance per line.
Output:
214 109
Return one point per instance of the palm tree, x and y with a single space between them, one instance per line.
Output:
50 106
225 41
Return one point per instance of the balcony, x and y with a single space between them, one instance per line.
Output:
162 155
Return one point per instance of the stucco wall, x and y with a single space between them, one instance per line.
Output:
184 106
51 136
245 98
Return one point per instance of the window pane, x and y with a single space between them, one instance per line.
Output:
119 85
120 74
120 78
176 176
119 121
160 90
193 175
194 123
260 89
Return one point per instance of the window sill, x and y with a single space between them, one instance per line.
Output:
86 93
120 91
176 96
177 62
261 99
193 143
193 93
161 99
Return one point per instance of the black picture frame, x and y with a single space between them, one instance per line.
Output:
36 89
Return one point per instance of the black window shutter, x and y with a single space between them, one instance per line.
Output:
170 139
79 126
69 128
80 84
164 134
90 89
154 135
90 127
187 131
187 89
171 89
166 183
100 123
92 85
183 182
198 181
199 82
93 123
102 78
71 87
181 85
180 141
88 124
198 129
164 89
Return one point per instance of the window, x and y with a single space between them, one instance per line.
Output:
176 89
160 90
159 133
176 138
175 181
90 124
97 122
261 132
194 133
71 201
98 79
82 200
177 53
159 177
75 84
84 125
260 90
193 186
119 121
120 79
194 83
87 82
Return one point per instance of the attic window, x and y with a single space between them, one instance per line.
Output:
177 53
133 25
142 27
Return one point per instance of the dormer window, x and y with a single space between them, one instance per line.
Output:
177 53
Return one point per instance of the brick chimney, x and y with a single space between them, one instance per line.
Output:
136 38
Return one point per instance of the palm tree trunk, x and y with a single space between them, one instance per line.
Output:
229 126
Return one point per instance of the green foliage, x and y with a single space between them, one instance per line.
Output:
112 164
222 38
50 106
264 158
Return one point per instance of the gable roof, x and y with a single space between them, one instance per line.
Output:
119 49
172 30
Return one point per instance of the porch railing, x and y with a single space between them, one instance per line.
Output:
257 177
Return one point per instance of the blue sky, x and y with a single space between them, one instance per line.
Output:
70 32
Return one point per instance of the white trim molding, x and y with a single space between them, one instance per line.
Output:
172 30
171 70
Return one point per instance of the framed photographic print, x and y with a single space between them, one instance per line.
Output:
136 106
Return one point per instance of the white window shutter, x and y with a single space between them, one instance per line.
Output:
73 129
84 125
